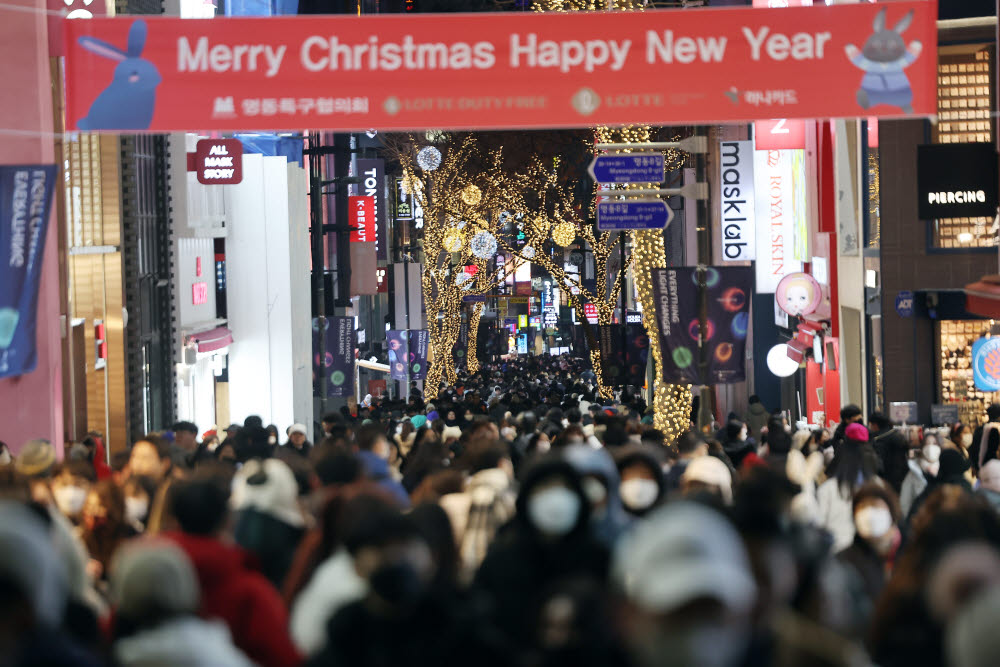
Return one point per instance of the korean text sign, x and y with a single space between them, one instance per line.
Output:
397 72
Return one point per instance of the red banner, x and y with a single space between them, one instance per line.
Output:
510 70
362 216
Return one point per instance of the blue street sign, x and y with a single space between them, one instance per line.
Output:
904 304
627 168
633 214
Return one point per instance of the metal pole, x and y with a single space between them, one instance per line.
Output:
621 295
704 261
318 261
406 313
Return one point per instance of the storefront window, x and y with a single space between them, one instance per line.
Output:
965 98
957 385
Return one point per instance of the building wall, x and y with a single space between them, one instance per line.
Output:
31 405
265 261
908 344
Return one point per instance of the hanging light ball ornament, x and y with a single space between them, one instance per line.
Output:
564 233
471 195
527 252
484 245
453 240
429 158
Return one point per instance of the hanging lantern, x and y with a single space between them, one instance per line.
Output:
453 240
484 245
471 195
564 233
429 158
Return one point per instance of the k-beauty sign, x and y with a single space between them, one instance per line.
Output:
397 72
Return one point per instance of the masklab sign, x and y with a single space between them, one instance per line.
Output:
738 209
219 161
506 70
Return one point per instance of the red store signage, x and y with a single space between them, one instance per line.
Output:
362 215
218 161
507 70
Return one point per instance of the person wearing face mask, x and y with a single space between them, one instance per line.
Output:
687 589
104 526
870 557
139 494
71 482
708 478
642 485
601 483
549 539
921 469
409 614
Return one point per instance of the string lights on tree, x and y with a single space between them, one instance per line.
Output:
463 193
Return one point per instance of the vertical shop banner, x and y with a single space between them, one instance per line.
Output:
623 354
739 242
774 190
609 338
398 345
338 358
460 351
372 175
729 293
504 70
676 294
419 339
25 200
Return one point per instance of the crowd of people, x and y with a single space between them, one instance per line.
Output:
518 518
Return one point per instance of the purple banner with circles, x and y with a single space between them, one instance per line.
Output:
338 355
676 295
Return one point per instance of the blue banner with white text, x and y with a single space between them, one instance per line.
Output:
25 201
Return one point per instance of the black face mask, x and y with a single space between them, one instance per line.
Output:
398 584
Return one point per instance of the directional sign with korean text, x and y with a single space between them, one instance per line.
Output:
628 168
633 214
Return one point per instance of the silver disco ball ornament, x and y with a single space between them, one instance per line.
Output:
528 252
428 158
484 245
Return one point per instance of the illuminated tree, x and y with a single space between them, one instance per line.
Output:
467 198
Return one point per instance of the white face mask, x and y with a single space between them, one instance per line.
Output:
594 490
554 512
272 440
508 433
743 435
5 457
136 508
399 429
966 439
639 493
931 452
69 499
873 522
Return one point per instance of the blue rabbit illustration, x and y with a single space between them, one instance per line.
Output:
883 58
128 101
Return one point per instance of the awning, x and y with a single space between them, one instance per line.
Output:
211 340
983 297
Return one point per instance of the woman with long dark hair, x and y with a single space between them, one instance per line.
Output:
854 464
